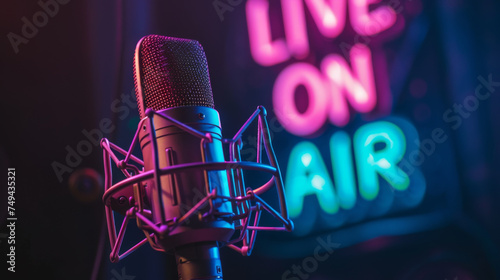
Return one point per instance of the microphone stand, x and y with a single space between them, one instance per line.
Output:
198 261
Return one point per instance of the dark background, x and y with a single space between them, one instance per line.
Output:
66 77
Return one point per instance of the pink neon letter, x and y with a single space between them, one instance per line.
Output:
357 86
366 22
295 27
284 99
263 49
329 16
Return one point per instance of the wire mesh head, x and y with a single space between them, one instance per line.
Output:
171 72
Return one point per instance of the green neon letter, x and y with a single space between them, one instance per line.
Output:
307 175
383 161
343 173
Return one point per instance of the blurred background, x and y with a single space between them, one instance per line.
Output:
399 181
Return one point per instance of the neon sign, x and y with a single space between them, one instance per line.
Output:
328 89
367 167
329 17
379 149
307 173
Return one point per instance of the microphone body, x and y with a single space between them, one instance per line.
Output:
184 195
172 78
181 191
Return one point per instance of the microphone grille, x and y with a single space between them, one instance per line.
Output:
171 72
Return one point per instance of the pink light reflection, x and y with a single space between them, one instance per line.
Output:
329 16
295 27
284 99
366 22
264 50
356 86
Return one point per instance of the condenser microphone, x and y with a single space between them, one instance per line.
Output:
185 196
171 78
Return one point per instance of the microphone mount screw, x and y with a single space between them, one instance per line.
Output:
122 200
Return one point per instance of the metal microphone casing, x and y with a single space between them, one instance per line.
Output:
185 197
182 190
